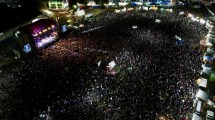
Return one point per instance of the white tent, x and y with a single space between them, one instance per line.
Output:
210 36
80 12
112 64
91 3
210 41
117 11
202 95
111 4
123 3
212 31
145 8
210 51
206 72
196 117
202 82
139 3
206 65
181 13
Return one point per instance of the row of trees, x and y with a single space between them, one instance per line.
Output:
38 4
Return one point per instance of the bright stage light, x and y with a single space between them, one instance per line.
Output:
44 30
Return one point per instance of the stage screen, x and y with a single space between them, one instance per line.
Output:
64 28
27 48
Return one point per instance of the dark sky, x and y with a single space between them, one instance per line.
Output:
35 4
12 17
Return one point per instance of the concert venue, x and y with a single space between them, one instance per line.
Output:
141 64
37 35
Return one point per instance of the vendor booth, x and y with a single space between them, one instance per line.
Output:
202 95
202 82
196 117
206 71
210 52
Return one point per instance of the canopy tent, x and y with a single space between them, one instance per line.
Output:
134 4
202 82
110 4
206 71
206 65
202 95
210 51
123 3
208 58
165 2
212 77
111 65
210 41
210 35
153 8
139 3
80 12
91 3
212 31
196 117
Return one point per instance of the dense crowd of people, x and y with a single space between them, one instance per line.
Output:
156 77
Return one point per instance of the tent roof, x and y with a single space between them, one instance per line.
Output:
201 94
207 70
210 51
202 82
207 58
196 117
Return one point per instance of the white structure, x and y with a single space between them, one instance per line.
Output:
202 82
202 95
91 3
80 13
123 4
111 65
196 117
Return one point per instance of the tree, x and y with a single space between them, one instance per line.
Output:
44 3
72 2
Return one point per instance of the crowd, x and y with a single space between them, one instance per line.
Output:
156 78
